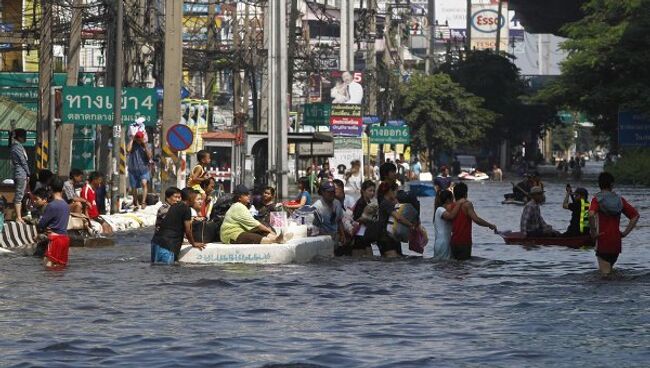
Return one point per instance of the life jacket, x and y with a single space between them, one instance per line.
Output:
584 216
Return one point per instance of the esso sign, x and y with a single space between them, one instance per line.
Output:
486 20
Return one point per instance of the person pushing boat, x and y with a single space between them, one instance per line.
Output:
579 207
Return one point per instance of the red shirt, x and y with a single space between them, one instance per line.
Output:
88 193
609 241
461 229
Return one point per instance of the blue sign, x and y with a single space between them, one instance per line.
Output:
633 129
397 123
160 93
370 119
4 27
180 137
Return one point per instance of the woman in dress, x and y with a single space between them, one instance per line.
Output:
442 219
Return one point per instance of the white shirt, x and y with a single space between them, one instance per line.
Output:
355 93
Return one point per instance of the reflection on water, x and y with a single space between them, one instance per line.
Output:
509 306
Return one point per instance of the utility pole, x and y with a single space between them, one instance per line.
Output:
44 84
431 50
278 112
210 76
117 107
172 73
72 70
371 67
347 35
293 16
468 39
499 27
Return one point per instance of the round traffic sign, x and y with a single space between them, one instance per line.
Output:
180 137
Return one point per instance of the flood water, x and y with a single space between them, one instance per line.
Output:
509 306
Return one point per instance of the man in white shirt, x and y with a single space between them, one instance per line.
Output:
355 90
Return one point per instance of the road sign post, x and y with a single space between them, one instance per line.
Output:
390 134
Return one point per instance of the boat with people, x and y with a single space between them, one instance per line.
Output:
473 176
519 238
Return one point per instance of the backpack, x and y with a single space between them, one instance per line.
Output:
610 203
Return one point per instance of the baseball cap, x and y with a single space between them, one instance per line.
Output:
327 187
139 134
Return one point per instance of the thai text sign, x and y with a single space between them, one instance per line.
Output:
94 105
317 114
633 129
346 110
346 126
390 135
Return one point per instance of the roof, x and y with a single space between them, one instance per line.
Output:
220 135
10 110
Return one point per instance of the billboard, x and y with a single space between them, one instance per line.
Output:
486 22
336 87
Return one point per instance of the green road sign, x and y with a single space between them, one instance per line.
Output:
390 134
317 114
31 139
4 138
23 80
20 94
94 105
84 132
83 153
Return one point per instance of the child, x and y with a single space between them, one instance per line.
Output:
199 173
54 223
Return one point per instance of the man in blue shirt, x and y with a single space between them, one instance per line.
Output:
329 213
54 223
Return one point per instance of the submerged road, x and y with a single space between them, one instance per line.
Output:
509 306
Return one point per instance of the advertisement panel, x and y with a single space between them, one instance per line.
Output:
336 87
633 129
346 126
485 23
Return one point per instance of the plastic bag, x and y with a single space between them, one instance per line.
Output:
418 239
278 220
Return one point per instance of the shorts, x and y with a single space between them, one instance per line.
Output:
57 248
386 244
248 237
608 257
20 185
160 255
461 252
136 178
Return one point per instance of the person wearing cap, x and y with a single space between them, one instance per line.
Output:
532 223
240 227
138 126
578 203
329 213
139 157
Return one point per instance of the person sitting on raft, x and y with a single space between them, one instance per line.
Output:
240 227
532 224
303 198
579 208
88 193
54 224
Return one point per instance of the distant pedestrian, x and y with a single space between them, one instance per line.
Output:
416 169
604 222
138 167
21 170
54 224
497 174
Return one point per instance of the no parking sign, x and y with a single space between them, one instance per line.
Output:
180 137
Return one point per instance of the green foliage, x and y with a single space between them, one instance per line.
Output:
632 168
497 80
563 137
441 113
607 66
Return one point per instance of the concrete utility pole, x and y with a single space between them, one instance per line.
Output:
497 47
45 65
72 70
468 39
347 35
278 113
431 49
117 107
210 76
371 67
173 72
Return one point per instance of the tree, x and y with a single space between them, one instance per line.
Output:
441 113
497 80
606 69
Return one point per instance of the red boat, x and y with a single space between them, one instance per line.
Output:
511 237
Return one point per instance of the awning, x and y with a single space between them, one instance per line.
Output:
10 110
310 137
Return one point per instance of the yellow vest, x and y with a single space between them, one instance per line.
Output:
584 216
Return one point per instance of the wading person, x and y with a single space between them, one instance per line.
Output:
240 227
170 229
442 221
361 245
461 228
54 224
387 198
138 167
88 193
605 219
579 207
21 170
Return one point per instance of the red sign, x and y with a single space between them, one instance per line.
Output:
346 126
